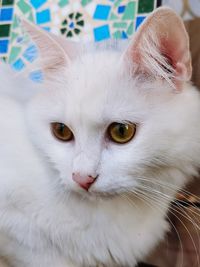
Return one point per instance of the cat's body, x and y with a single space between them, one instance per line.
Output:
40 221
46 218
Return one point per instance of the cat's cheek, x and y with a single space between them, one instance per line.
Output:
69 185
65 178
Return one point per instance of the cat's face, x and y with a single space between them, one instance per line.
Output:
88 102
91 93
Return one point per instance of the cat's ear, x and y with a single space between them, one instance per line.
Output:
53 57
160 48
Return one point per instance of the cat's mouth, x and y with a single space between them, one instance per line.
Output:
104 195
93 194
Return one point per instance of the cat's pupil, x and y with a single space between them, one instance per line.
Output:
121 129
62 128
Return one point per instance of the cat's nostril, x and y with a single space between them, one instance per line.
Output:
84 181
93 176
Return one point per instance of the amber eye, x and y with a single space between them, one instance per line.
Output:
61 131
121 132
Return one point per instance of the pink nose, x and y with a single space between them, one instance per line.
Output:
85 181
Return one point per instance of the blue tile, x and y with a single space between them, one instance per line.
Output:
43 16
46 29
102 12
71 25
37 3
18 65
30 53
6 14
3 46
124 35
121 9
101 33
36 76
20 39
139 20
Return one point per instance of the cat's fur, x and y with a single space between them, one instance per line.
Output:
46 219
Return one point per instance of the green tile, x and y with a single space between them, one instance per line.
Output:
64 22
15 23
130 29
13 36
77 31
117 3
63 3
117 35
63 30
71 15
4 30
129 13
145 6
7 2
30 17
69 34
14 53
23 6
120 25
113 17
85 2
4 59
78 15
80 23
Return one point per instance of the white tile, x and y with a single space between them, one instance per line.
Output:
76 6
66 10
54 8
56 20
87 27
87 38
90 8
55 30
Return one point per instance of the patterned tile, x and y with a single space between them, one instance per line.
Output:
86 20
72 25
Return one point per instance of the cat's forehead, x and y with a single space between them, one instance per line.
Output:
95 69
97 85
96 89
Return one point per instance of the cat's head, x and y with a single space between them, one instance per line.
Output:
114 120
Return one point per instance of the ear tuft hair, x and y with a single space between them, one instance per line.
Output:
161 48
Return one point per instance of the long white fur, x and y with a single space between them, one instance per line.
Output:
46 220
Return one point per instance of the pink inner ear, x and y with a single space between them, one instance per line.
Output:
175 57
161 48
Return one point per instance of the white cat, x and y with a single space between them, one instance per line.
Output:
90 160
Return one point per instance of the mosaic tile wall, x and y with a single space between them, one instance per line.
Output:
87 20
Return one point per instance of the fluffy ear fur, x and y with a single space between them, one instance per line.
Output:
53 56
161 48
